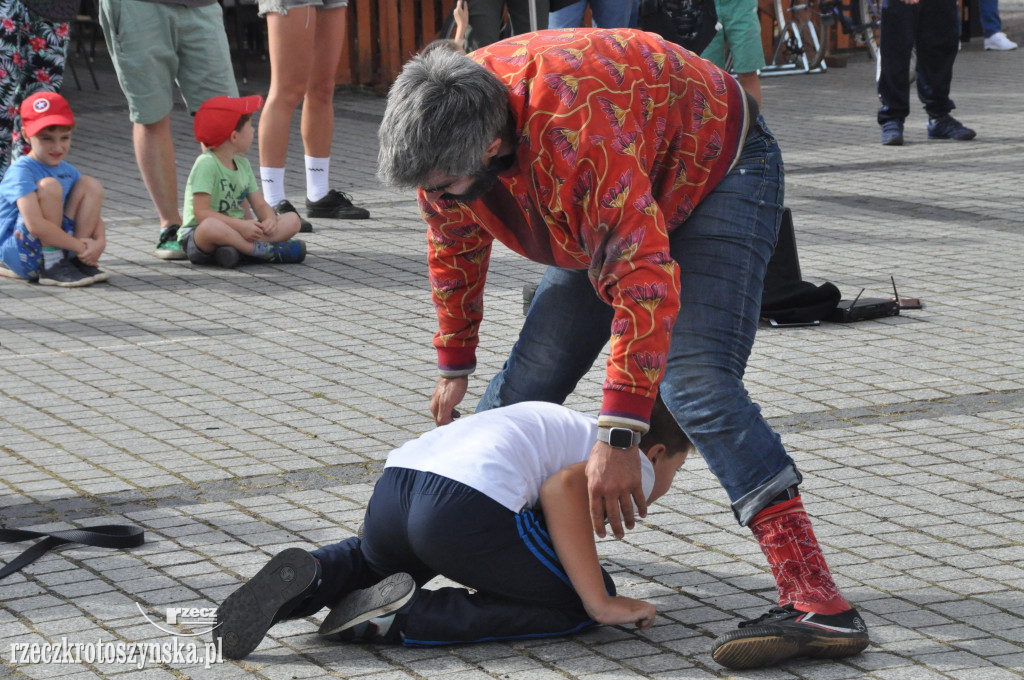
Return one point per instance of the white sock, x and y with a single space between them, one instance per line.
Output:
272 180
318 172
52 256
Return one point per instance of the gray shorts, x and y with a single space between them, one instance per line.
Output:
282 6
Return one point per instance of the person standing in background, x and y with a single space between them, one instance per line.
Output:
992 26
741 30
606 14
305 38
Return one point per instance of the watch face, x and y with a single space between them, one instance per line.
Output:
620 438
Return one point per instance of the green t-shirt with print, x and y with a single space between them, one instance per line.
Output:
227 188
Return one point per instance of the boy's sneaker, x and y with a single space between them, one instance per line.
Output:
892 133
276 590
286 207
63 274
94 274
948 127
785 632
167 246
338 205
999 41
227 256
287 252
360 606
6 272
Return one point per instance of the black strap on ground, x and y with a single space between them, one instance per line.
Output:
102 536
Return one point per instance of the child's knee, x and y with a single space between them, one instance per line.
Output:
89 186
49 190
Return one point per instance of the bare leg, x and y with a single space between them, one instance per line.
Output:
154 152
213 232
318 106
83 207
751 83
290 38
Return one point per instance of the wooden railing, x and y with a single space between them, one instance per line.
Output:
383 34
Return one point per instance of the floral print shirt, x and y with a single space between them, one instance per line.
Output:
620 134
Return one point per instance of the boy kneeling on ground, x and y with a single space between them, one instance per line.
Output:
50 225
215 227
497 502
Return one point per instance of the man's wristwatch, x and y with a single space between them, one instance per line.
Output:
618 437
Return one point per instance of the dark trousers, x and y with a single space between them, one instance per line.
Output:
933 28
425 524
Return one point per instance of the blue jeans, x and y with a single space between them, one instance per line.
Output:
605 13
722 251
988 11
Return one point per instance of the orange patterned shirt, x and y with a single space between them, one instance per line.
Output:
620 134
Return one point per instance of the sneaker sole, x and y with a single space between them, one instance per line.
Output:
247 614
167 254
335 214
744 649
386 597
8 274
81 283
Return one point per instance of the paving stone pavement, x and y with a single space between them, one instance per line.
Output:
232 414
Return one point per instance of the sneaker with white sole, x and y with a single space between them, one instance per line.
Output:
786 633
63 274
999 41
360 606
94 274
167 246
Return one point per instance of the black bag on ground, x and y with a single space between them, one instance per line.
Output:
787 298
689 23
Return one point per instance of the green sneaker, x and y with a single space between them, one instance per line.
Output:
167 246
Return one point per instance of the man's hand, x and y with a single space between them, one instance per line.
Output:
613 475
447 395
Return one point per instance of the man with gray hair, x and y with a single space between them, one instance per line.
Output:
642 172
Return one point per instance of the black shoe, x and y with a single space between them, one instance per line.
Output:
276 590
63 274
892 133
359 606
227 256
785 633
948 127
286 207
94 274
337 205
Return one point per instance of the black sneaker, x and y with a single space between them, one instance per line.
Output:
892 133
785 633
286 207
94 274
948 127
359 606
63 274
338 205
227 256
276 590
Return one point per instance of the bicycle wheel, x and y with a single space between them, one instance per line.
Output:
867 22
799 35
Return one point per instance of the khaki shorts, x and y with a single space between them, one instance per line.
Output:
282 6
154 45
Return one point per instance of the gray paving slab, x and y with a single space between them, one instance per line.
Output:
232 414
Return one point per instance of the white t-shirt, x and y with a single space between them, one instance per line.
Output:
507 453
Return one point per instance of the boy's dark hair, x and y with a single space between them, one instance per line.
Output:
242 120
665 430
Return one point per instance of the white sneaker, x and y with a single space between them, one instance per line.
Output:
999 41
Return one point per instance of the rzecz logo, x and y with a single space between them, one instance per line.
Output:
202 618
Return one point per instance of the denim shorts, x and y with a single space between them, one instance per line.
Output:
195 254
282 6
22 252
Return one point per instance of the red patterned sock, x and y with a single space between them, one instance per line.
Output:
787 540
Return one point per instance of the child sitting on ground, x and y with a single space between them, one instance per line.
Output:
496 501
215 227
50 225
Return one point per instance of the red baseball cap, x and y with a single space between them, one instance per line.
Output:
43 109
218 117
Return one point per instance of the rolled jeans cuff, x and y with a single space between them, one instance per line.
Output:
747 507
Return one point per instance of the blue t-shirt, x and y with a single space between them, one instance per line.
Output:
21 179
